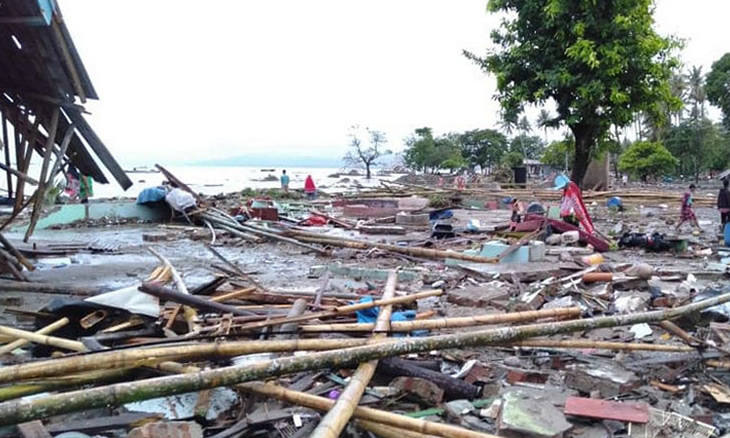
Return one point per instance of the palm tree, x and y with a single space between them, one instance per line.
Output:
697 95
678 85
543 121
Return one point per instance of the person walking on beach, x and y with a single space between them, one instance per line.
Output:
723 203
284 181
688 212
309 188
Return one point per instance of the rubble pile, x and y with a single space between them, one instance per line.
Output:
424 322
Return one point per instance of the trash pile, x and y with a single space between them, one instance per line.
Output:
466 331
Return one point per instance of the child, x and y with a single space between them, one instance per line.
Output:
688 213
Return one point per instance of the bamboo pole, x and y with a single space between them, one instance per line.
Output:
384 431
339 415
234 294
442 323
140 357
9 246
189 313
37 338
114 395
343 310
602 345
361 412
228 225
414 251
44 331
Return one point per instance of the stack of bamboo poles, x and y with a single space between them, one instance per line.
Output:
109 379
304 239
12 261
346 353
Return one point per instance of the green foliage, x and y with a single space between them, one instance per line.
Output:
718 87
599 61
530 146
439 200
646 159
512 159
700 145
426 153
483 147
554 154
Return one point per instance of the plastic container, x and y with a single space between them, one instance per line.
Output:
593 259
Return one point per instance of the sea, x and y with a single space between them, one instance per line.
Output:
213 180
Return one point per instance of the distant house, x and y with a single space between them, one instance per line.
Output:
536 169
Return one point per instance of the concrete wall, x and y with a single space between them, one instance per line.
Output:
69 213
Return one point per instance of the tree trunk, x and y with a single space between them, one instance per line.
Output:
584 141
367 170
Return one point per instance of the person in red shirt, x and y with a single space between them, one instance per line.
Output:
309 188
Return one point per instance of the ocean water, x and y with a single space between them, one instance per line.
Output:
212 180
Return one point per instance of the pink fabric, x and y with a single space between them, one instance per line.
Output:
572 203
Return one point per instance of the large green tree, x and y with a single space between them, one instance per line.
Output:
718 87
646 159
599 60
483 147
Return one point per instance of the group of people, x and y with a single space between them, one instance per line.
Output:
309 188
573 209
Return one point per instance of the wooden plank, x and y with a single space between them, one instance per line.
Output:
41 190
98 147
607 410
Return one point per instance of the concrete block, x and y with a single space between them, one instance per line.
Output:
174 429
412 220
356 272
525 416
474 296
422 389
609 379
494 249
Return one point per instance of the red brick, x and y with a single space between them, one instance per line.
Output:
607 410
515 375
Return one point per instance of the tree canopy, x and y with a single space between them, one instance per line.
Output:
645 159
718 87
599 61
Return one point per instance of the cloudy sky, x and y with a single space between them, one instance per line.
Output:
179 82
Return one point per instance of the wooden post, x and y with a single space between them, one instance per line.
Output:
42 184
6 147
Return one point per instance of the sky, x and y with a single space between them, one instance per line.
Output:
180 83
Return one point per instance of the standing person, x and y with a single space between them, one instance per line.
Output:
284 181
723 203
86 188
309 188
688 212
441 180
72 182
